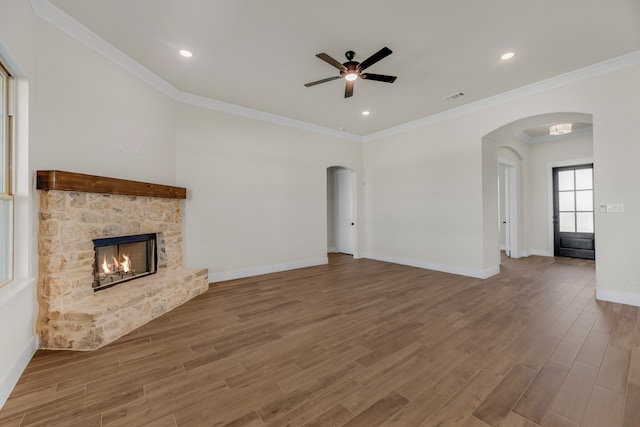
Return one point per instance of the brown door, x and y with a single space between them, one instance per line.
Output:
573 216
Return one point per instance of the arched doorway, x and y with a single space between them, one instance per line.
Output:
523 152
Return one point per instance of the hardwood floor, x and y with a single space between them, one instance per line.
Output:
359 343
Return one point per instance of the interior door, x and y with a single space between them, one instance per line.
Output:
344 212
573 214
506 222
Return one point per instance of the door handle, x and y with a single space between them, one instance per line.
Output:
353 223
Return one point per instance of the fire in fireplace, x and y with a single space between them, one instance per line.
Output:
124 258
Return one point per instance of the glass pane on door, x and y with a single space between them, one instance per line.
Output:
567 222
584 179
567 201
584 200
566 181
585 222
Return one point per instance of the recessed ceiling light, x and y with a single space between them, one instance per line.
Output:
366 113
186 53
507 56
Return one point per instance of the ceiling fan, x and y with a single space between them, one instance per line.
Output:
352 70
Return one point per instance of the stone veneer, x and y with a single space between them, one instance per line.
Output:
72 315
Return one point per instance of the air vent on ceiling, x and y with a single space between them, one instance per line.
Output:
454 96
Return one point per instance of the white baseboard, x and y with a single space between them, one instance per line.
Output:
265 269
462 271
331 250
618 297
11 379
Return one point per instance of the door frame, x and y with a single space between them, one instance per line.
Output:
550 166
334 170
512 169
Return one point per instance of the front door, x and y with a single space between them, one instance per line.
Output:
573 216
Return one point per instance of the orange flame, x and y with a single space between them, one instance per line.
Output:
117 266
126 264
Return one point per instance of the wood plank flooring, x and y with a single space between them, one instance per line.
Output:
359 343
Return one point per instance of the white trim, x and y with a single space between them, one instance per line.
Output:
619 297
523 137
56 17
624 61
462 271
225 107
550 166
50 13
11 379
265 269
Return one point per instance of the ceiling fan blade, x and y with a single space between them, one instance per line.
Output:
348 89
328 79
326 58
379 77
382 53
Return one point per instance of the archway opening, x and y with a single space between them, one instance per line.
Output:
519 156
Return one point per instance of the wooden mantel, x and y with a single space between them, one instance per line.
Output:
71 181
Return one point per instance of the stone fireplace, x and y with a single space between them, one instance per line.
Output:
76 212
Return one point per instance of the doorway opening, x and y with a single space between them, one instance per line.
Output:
508 213
341 226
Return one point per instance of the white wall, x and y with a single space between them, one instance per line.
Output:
424 197
616 175
425 201
257 192
85 106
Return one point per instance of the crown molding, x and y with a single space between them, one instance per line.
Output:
621 62
76 30
213 104
523 137
54 16
50 13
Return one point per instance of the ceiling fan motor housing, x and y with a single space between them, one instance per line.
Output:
352 68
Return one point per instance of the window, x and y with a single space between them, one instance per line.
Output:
6 193
575 194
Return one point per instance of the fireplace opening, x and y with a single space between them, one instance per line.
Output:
124 258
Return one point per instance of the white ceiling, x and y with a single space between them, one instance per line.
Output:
258 54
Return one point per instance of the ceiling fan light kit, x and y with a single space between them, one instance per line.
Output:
352 70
